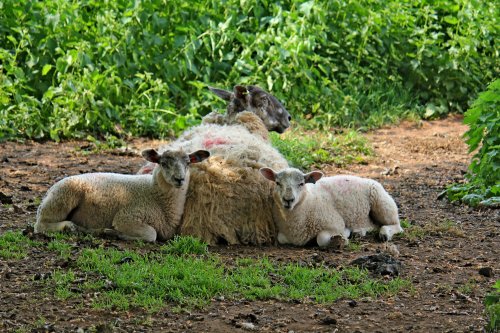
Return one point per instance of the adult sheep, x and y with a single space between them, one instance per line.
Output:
309 206
228 201
132 207
251 113
251 99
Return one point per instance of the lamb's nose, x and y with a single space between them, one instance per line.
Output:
288 202
179 181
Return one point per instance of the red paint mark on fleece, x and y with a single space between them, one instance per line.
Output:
147 169
210 142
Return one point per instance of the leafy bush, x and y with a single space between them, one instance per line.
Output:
483 186
73 68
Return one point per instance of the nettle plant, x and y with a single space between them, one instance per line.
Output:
69 69
483 137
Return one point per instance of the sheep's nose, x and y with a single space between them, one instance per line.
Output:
179 181
288 202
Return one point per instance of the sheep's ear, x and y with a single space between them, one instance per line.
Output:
268 173
224 94
198 156
151 155
240 92
313 176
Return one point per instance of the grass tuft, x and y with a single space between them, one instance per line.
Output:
14 245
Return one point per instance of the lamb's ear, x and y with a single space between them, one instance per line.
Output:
151 155
240 92
268 173
313 176
224 94
198 156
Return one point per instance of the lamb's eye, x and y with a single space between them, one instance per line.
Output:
278 183
301 184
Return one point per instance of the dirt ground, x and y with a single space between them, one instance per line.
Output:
414 161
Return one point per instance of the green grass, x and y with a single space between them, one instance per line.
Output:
14 245
492 302
191 277
185 245
305 149
354 246
183 272
61 247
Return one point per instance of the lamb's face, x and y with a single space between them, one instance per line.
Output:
174 164
290 184
174 167
289 187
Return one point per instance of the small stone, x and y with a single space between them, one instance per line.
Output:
352 303
25 188
486 271
248 326
5 199
328 321
379 264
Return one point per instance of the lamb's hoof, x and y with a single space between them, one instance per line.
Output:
383 238
337 243
70 228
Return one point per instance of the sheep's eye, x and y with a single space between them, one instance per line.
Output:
301 184
278 183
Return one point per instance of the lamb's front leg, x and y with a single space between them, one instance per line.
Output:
282 238
44 227
132 224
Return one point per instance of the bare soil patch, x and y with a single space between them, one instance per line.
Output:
414 161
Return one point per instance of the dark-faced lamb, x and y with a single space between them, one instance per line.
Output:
309 206
132 207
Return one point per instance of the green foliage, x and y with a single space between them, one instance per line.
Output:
122 279
305 149
14 245
73 68
483 136
492 302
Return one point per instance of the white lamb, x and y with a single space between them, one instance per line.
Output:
132 207
309 206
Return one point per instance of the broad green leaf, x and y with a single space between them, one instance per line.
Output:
46 69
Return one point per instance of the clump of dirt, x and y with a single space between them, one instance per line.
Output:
451 268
